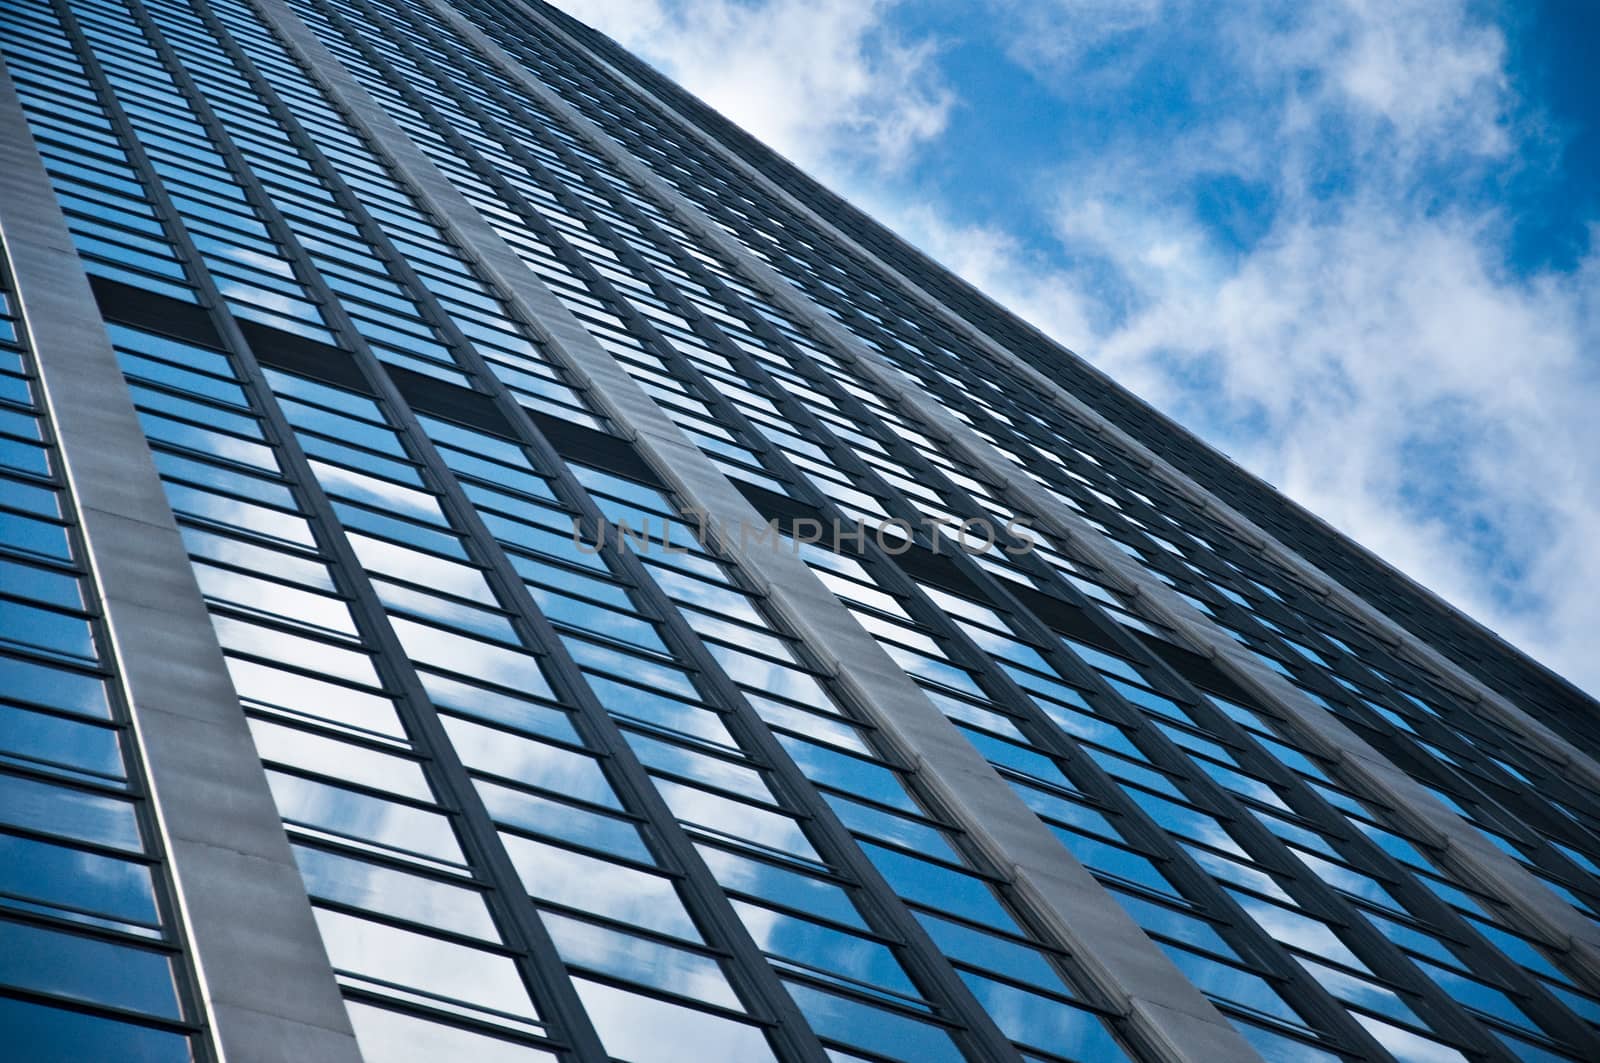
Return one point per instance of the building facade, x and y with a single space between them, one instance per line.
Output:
498 566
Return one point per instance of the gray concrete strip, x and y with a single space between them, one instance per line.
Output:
268 992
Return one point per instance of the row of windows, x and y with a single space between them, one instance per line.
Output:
531 205
218 443
113 225
298 391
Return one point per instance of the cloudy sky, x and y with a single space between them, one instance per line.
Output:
1352 243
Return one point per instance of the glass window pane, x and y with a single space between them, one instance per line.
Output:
341 760
1001 955
71 812
266 685
940 887
1042 1022
543 815
57 875
88 969
56 687
853 1022
394 1037
56 1035
825 948
417 961
332 808
781 886
73 744
471 700
736 819
644 1029
363 884
530 762
490 662
639 959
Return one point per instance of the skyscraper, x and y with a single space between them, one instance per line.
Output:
498 566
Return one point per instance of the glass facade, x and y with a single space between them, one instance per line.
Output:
537 440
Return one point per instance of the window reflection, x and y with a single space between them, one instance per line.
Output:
387 1036
534 763
403 957
36 805
87 969
56 1035
363 884
641 960
263 684
72 878
590 884
333 808
853 1022
645 1029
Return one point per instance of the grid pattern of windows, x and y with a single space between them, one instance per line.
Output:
562 778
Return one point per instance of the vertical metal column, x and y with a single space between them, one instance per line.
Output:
266 986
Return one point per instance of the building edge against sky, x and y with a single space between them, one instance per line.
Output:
1468 644
402 305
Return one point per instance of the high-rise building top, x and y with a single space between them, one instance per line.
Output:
498 565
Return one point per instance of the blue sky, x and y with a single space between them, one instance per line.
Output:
1352 243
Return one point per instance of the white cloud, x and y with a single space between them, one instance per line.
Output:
1422 66
1046 34
825 82
1368 356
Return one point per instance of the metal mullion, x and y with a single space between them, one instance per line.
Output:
548 973
420 162
1321 900
778 760
747 960
605 290
152 851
